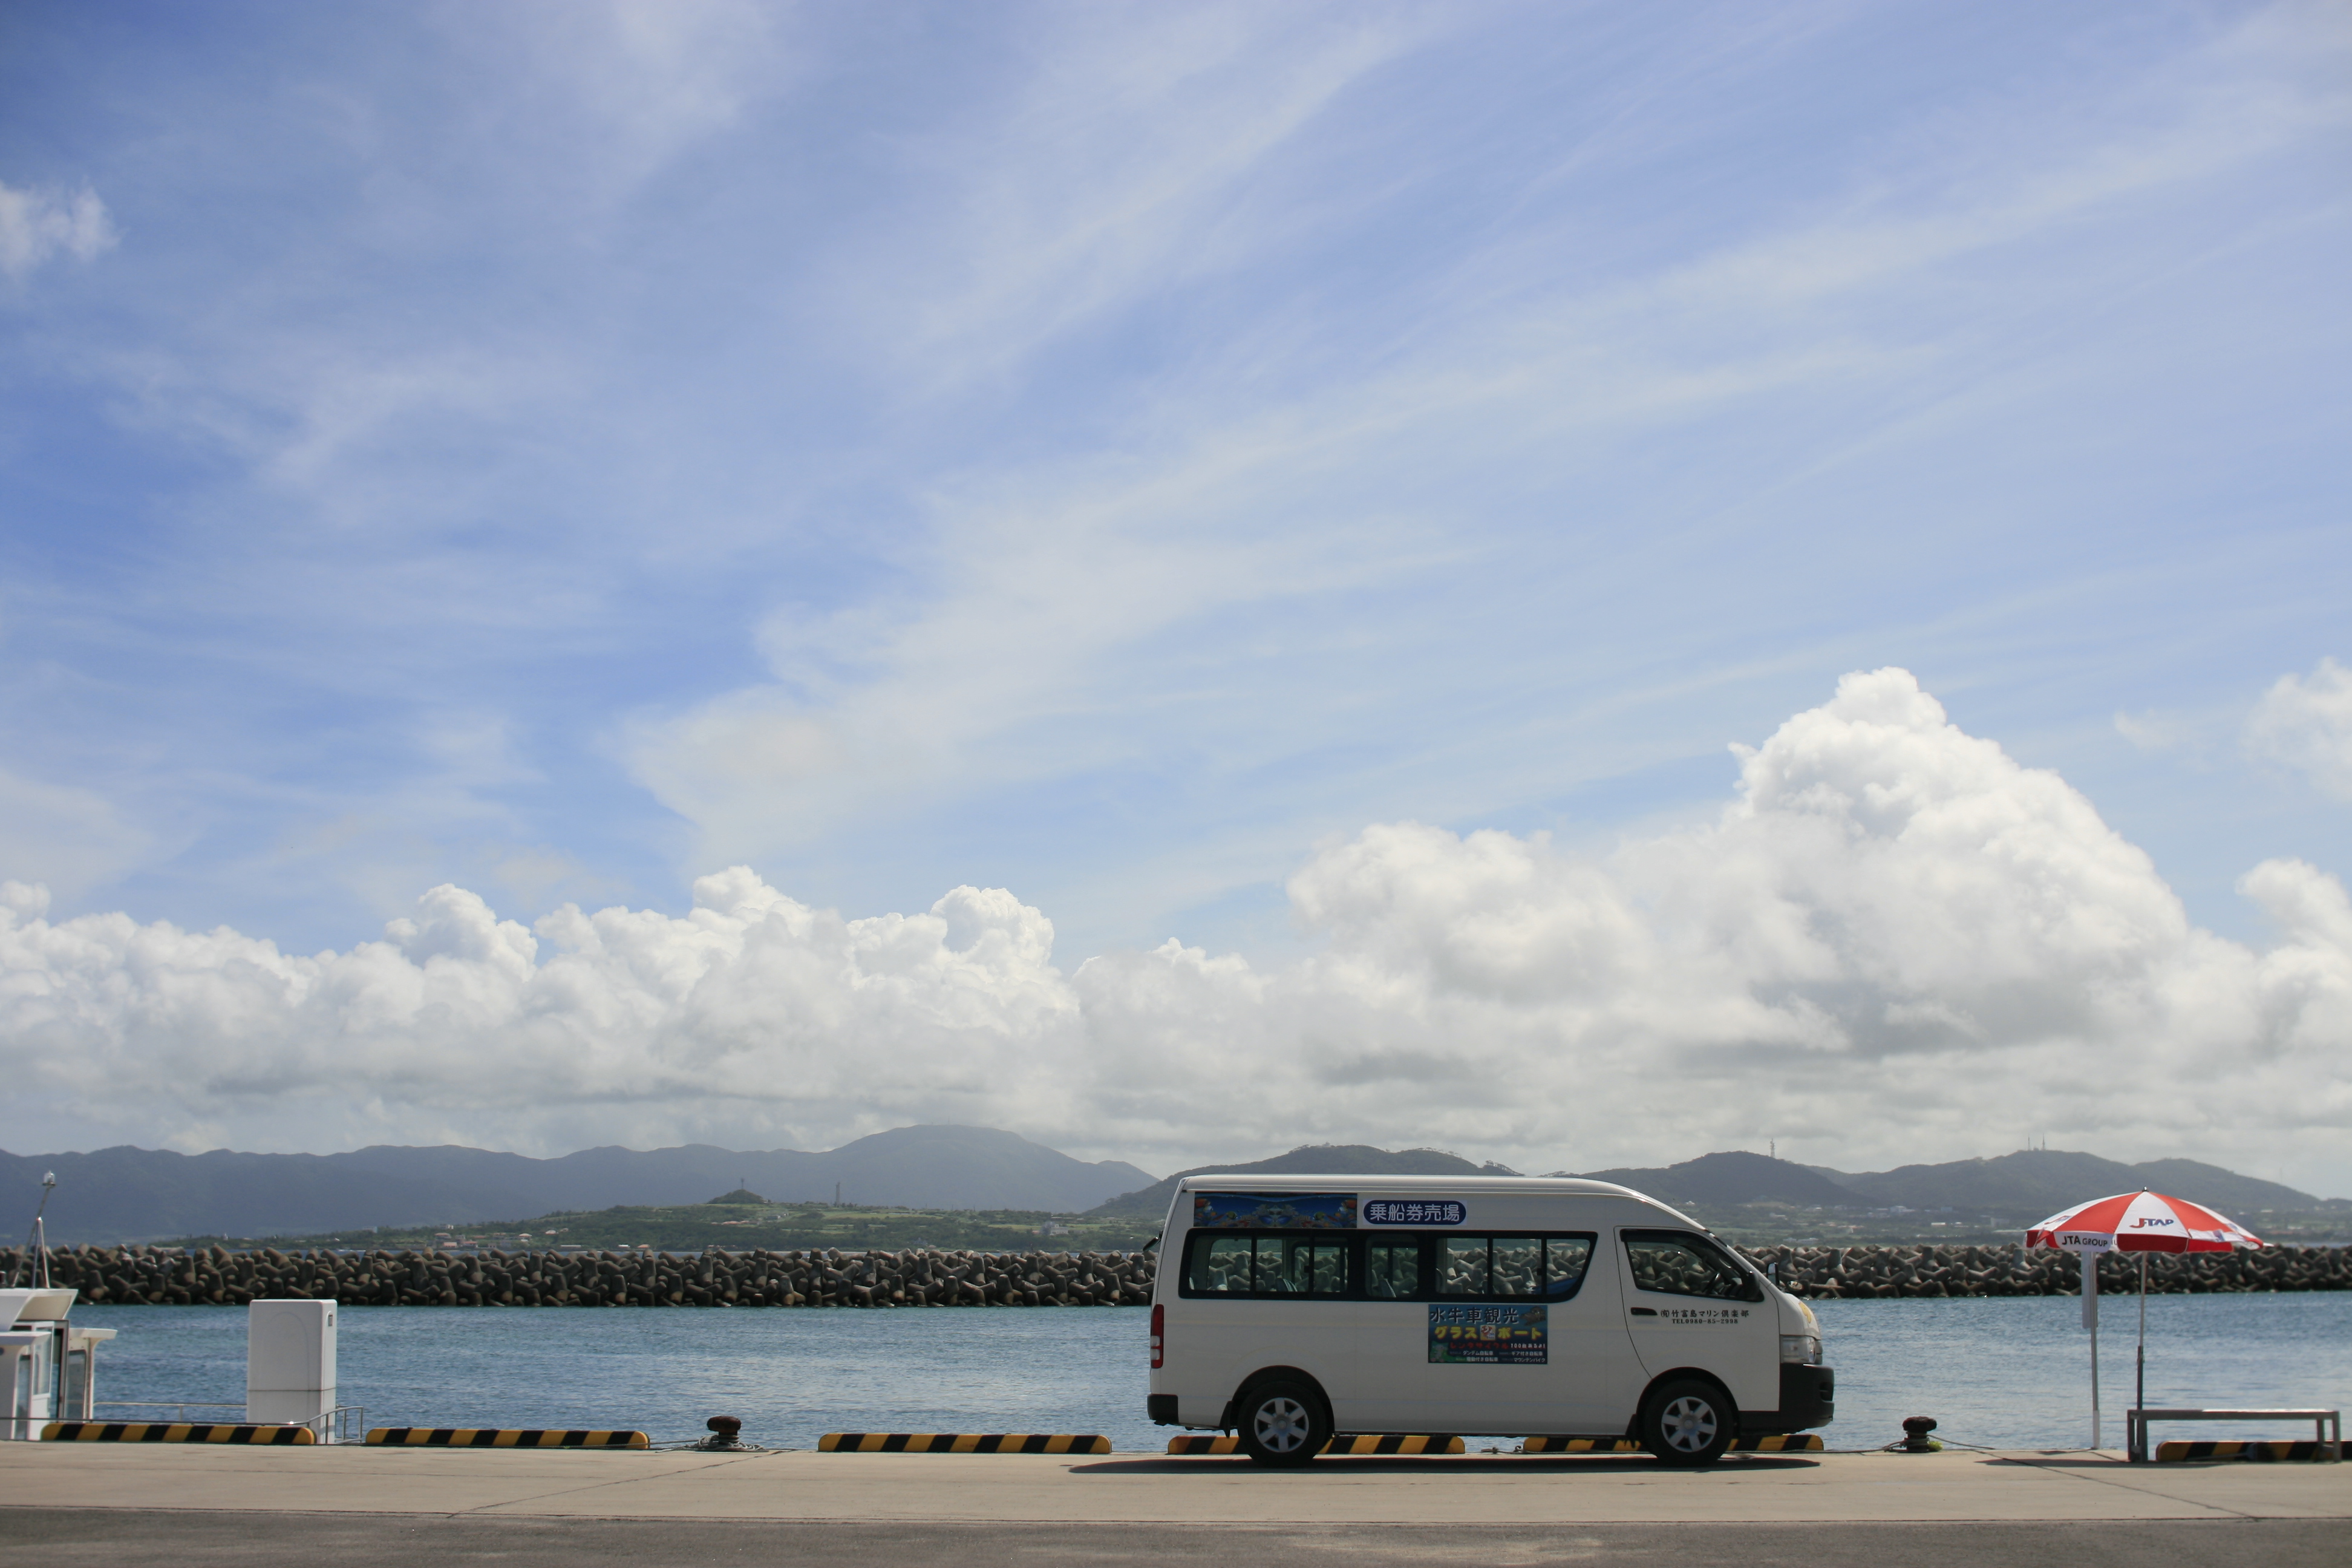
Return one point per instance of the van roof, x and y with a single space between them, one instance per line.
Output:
1480 1185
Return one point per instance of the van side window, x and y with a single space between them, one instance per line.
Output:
1673 1263
1566 1257
1223 1264
1304 1266
1391 1269
1462 1266
1508 1268
1220 1264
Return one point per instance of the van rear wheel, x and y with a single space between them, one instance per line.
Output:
1688 1422
1282 1422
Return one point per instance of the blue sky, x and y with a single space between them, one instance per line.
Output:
1107 452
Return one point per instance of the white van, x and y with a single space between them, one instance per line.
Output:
1290 1307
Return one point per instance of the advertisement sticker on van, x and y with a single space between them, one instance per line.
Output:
1699 1316
1416 1211
1273 1210
1486 1336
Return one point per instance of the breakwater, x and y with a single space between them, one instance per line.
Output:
164 1276
1843 1272
160 1276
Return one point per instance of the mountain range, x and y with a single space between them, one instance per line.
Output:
131 1194
128 1194
2021 1187
2032 1183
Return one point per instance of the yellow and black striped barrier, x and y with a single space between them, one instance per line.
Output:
175 1432
962 1442
499 1438
2255 1449
1392 1443
1579 1446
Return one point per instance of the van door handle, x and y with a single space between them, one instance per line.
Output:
1645 1311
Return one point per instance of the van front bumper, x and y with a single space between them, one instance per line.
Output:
1808 1398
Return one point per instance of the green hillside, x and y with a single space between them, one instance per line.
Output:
739 1227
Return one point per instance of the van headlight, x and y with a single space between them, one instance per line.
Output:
1801 1349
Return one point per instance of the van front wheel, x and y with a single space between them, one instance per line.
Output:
1688 1422
1282 1422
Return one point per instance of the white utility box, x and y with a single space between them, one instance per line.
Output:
46 1364
290 1361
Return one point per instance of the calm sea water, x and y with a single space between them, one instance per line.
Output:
2011 1373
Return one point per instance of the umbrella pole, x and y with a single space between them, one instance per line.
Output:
2139 1380
2091 1316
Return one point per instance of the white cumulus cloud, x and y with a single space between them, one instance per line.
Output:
35 224
751 1011
2306 724
1895 943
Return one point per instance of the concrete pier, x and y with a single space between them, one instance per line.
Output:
1136 1488
97 1502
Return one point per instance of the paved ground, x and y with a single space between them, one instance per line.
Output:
108 1538
92 1503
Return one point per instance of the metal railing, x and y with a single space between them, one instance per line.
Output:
2326 1427
343 1423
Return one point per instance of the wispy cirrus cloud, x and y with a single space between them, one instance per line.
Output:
38 224
1228 548
1101 450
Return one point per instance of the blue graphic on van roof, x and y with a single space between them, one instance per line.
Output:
1273 1210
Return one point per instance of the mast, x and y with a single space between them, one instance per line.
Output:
35 1259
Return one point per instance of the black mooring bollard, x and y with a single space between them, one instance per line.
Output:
1915 1435
724 1430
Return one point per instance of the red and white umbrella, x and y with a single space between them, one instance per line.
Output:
2141 1221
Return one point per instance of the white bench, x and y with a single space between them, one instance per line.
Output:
2328 1427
